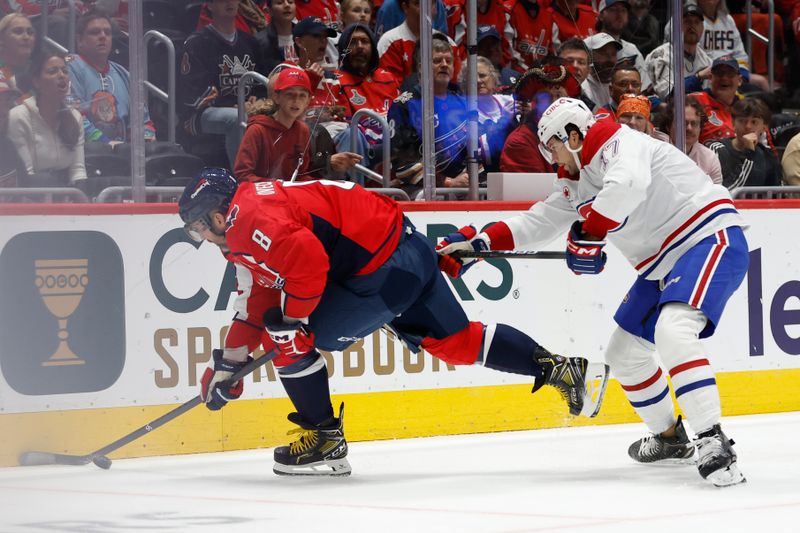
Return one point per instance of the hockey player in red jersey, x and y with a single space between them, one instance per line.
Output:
312 274
685 238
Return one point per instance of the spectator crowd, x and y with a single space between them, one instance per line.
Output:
65 117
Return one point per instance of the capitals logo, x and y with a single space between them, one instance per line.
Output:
230 70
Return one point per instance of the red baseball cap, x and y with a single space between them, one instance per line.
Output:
292 77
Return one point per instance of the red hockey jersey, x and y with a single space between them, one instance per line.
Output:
720 122
297 236
533 37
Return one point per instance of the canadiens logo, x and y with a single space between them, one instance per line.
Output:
714 119
356 98
566 191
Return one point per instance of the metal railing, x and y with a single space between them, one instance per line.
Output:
397 194
43 194
246 78
766 193
769 40
387 152
452 193
170 96
121 194
73 13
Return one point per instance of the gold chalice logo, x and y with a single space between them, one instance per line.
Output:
62 282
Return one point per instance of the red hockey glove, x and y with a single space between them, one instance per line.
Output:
215 387
583 256
465 239
292 340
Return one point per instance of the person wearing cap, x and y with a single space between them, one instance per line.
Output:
277 144
396 46
613 19
491 15
276 41
696 62
719 98
492 47
604 49
634 112
213 60
532 40
573 19
311 43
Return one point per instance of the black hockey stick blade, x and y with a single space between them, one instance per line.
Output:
509 254
98 457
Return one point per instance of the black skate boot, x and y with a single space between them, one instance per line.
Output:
657 449
320 450
716 459
581 383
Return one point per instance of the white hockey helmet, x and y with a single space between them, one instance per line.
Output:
560 113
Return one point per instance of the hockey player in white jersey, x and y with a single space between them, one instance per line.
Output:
684 237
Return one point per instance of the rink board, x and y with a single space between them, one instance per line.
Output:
125 332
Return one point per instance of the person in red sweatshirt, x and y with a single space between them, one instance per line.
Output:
277 146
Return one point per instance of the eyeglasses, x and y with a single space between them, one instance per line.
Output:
195 230
693 124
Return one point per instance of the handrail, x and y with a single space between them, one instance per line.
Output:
769 40
117 192
170 96
48 193
399 194
387 152
43 6
243 81
452 193
770 192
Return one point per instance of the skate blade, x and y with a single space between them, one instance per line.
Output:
725 477
595 388
336 467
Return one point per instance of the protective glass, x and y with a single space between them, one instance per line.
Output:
195 230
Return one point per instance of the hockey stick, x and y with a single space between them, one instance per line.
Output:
99 458
508 254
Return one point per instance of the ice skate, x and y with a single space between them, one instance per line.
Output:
716 459
320 450
581 383
664 450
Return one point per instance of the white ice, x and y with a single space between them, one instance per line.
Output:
575 479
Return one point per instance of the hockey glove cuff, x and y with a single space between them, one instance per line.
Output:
466 239
215 387
291 339
584 256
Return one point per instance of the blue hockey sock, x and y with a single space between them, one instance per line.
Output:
512 351
310 395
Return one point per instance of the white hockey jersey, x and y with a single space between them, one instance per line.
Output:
654 202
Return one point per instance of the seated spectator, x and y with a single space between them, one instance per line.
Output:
791 162
310 44
722 38
396 46
532 39
696 63
490 46
643 29
694 117
576 56
99 87
450 127
251 16
745 161
613 19
277 142
574 20
363 84
17 41
625 80
491 14
46 132
634 111
719 98
604 49
391 15
538 87
356 12
496 113
214 59
57 13
9 160
276 41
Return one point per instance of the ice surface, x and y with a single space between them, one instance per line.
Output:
575 479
